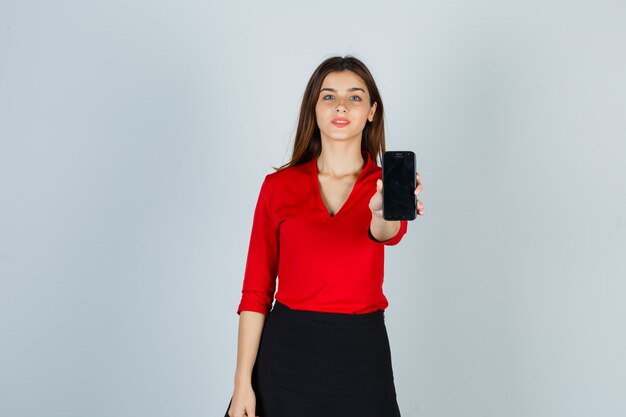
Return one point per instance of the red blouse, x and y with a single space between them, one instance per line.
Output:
323 263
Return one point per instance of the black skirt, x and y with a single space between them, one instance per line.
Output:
323 364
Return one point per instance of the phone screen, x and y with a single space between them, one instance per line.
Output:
399 182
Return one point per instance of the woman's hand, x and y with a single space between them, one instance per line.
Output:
418 189
243 403
376 202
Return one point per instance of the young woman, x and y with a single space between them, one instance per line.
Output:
323 349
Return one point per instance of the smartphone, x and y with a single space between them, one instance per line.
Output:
399 200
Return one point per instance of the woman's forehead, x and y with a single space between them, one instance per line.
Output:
343 80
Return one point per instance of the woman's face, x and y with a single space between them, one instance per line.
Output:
343 106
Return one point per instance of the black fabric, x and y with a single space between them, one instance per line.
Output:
313 364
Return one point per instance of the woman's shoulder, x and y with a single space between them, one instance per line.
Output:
290 174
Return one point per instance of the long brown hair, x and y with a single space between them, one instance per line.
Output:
308 142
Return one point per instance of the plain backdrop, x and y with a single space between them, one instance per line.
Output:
134 137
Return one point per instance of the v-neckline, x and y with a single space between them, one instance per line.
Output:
318 188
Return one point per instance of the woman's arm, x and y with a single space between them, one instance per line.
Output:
250 329
382 229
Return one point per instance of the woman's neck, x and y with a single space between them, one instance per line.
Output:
339 161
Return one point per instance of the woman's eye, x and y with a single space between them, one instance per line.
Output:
330 97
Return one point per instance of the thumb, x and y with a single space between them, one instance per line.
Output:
379 185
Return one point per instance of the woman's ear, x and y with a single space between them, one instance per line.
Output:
370 116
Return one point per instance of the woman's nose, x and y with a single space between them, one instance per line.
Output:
341 105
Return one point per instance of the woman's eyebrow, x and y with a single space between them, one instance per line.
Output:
349 89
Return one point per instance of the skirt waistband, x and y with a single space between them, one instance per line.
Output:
323 317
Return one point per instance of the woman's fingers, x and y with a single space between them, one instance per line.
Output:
243 413
243 403
420 207
419 187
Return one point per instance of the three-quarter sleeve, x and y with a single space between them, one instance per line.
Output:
393 240
259 282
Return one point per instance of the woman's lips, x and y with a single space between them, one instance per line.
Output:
340 122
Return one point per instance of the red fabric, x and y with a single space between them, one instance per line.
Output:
323 263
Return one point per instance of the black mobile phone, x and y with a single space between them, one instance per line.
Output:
399 200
